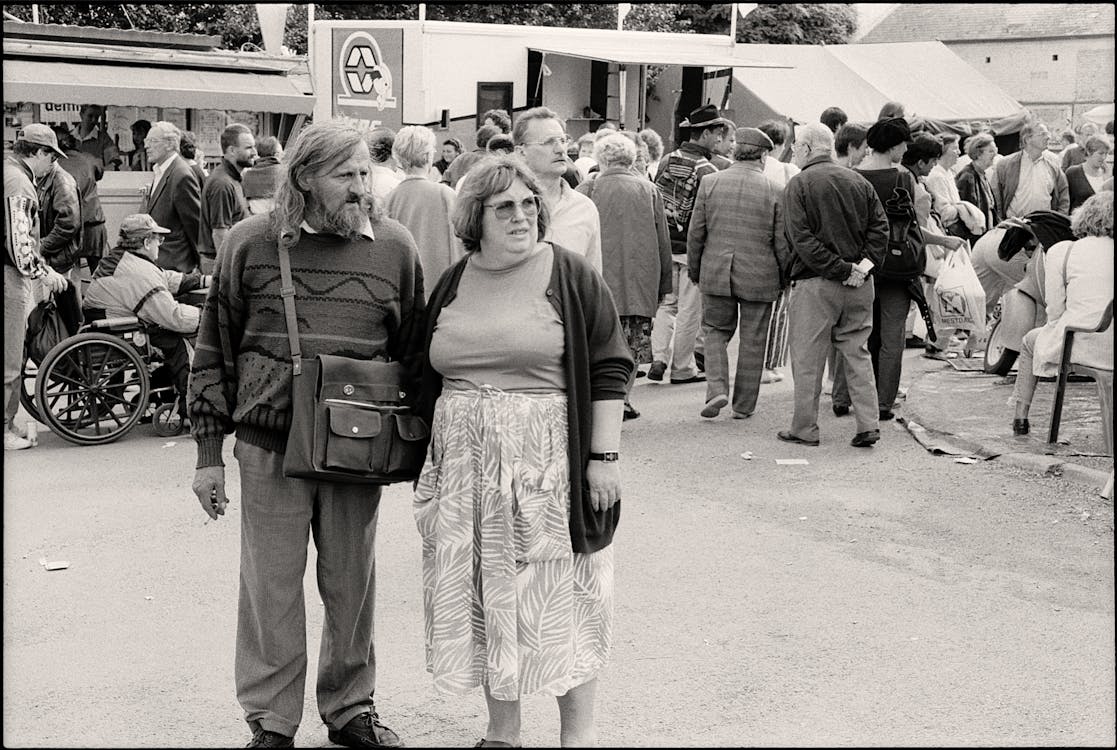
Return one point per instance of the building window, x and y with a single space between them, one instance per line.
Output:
493 95
988 59
1054 58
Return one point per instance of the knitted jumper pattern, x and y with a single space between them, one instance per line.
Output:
356 298
677 181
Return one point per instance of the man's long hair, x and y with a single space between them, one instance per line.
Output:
319 148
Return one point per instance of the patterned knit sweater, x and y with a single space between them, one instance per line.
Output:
354 298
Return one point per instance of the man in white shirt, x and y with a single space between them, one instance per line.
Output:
540 139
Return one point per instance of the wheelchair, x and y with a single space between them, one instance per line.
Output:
93 387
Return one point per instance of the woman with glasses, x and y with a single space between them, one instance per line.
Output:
524 366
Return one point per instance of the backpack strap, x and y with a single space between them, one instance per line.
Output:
287 291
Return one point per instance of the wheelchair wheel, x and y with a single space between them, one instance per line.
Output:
998 358
167 422
92 388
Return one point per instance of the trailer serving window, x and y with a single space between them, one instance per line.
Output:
493 95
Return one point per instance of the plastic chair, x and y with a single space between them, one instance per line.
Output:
1103 379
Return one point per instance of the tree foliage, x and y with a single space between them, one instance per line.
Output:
236 23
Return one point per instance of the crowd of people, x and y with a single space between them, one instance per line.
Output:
524 286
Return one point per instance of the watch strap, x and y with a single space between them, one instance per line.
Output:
607 456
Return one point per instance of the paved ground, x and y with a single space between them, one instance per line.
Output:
881 597
975 407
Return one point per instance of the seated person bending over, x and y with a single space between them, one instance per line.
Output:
128 282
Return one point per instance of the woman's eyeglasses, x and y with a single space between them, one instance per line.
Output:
505 210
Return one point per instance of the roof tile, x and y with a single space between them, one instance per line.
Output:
971 21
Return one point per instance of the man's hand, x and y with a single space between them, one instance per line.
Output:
954 243
604 479
55 282
856 278
209 486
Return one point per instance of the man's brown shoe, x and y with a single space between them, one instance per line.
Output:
365 730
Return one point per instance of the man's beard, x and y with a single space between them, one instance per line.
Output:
349 219
245 163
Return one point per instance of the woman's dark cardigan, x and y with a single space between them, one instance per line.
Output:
596 363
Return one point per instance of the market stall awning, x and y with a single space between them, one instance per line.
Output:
81 83
650 52
860 78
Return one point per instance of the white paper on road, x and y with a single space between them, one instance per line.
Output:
57 565
792 461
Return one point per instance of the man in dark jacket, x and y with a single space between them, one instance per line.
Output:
835 223
174 198
60 220
86 173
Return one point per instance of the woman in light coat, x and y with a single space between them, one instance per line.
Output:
1079 285
635 244
422 205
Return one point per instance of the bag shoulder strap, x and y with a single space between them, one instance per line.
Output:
287 292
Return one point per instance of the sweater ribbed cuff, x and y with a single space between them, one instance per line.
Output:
209 452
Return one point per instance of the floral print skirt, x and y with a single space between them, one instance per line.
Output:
505 601
638 334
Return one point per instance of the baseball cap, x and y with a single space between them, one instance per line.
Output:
138 225
40 135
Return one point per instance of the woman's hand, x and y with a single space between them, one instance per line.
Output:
604 479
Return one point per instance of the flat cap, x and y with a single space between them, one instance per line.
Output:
754 137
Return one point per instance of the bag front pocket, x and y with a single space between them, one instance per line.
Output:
409 442
351 443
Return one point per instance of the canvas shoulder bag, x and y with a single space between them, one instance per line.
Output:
350 418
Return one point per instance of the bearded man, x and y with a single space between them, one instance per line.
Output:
359 293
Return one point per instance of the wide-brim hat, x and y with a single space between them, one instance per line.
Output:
704 117
40 135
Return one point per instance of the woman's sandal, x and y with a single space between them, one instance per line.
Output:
493 743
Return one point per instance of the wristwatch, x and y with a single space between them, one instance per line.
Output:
608 457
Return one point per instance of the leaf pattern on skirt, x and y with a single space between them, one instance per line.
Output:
505 600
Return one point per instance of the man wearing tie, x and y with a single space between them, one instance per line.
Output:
174 198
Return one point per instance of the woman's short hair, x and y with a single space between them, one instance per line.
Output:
458 145
947 138
850 134
586 139
614 150
776 130
1096 143
500 143
1094 218
489 176
414 146
380 143
654 142
975 144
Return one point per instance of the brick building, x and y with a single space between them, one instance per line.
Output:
1057 60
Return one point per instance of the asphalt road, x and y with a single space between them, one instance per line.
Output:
871 597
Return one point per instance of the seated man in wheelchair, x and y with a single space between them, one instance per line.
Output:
128 282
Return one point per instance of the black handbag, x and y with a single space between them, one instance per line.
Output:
350 419
904 258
